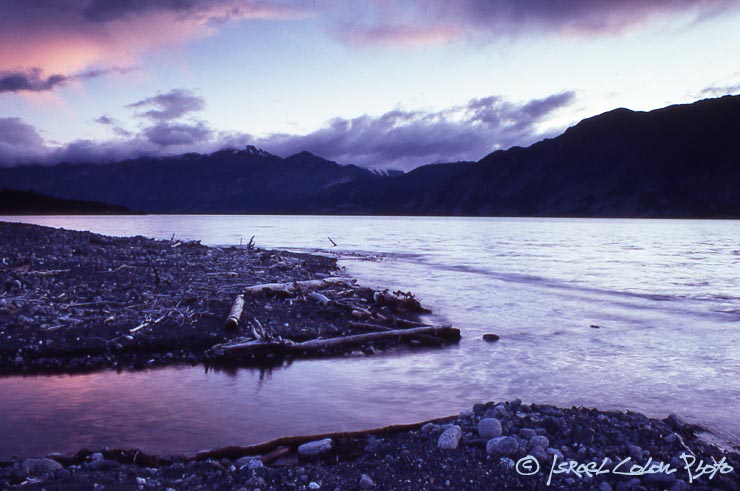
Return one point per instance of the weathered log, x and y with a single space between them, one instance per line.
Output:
236 312
294 286
262 348
425 339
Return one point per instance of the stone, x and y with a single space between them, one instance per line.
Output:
315 448
489 428
39 467
366 482
450 438
605 486
538 441
491 338
314 485
431 428
540 454
680 485
103 465
502 445
661 480
241 462
527 433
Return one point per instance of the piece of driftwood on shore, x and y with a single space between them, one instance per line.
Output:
236 312
259 348
292 287
423 338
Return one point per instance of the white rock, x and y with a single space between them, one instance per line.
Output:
450 438
312 449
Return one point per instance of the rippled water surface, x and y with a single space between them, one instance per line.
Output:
665 294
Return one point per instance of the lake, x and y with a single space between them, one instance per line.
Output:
610 313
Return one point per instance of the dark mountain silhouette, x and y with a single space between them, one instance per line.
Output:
229 181
680 161
28 203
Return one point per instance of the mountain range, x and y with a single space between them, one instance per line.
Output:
679 161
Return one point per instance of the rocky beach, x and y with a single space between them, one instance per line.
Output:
78 301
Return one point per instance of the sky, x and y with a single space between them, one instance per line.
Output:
376 83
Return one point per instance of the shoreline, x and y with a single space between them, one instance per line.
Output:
506 445
78 301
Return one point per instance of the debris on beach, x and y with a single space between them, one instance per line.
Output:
81 301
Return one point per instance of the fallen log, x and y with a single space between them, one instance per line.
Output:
236 312
259 348
424 338
295 286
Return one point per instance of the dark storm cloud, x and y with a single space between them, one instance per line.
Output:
33 80
407 139
167 134
168 106
19 142
430 21
396 139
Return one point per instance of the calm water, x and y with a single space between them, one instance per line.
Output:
665 293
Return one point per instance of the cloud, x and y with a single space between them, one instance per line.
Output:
167 135
168 106
436 21
33 80
407 139
401 139
67 36
720 90
19 142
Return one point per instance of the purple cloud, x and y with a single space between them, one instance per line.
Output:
433 21
32 80
19 142
406 139
401 139
168 106
168 134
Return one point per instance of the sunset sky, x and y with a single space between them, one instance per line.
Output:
377 83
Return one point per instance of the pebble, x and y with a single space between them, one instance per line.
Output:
527 433
366 482
605 486
312 449
314 485
489 428
450 438
491 338
538 441
502 445
39 467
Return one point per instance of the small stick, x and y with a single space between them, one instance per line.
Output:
334 244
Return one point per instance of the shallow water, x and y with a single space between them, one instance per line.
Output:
665 293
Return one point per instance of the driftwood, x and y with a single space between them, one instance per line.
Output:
266 448
403 300
259 348
295 286
236 312
424 338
